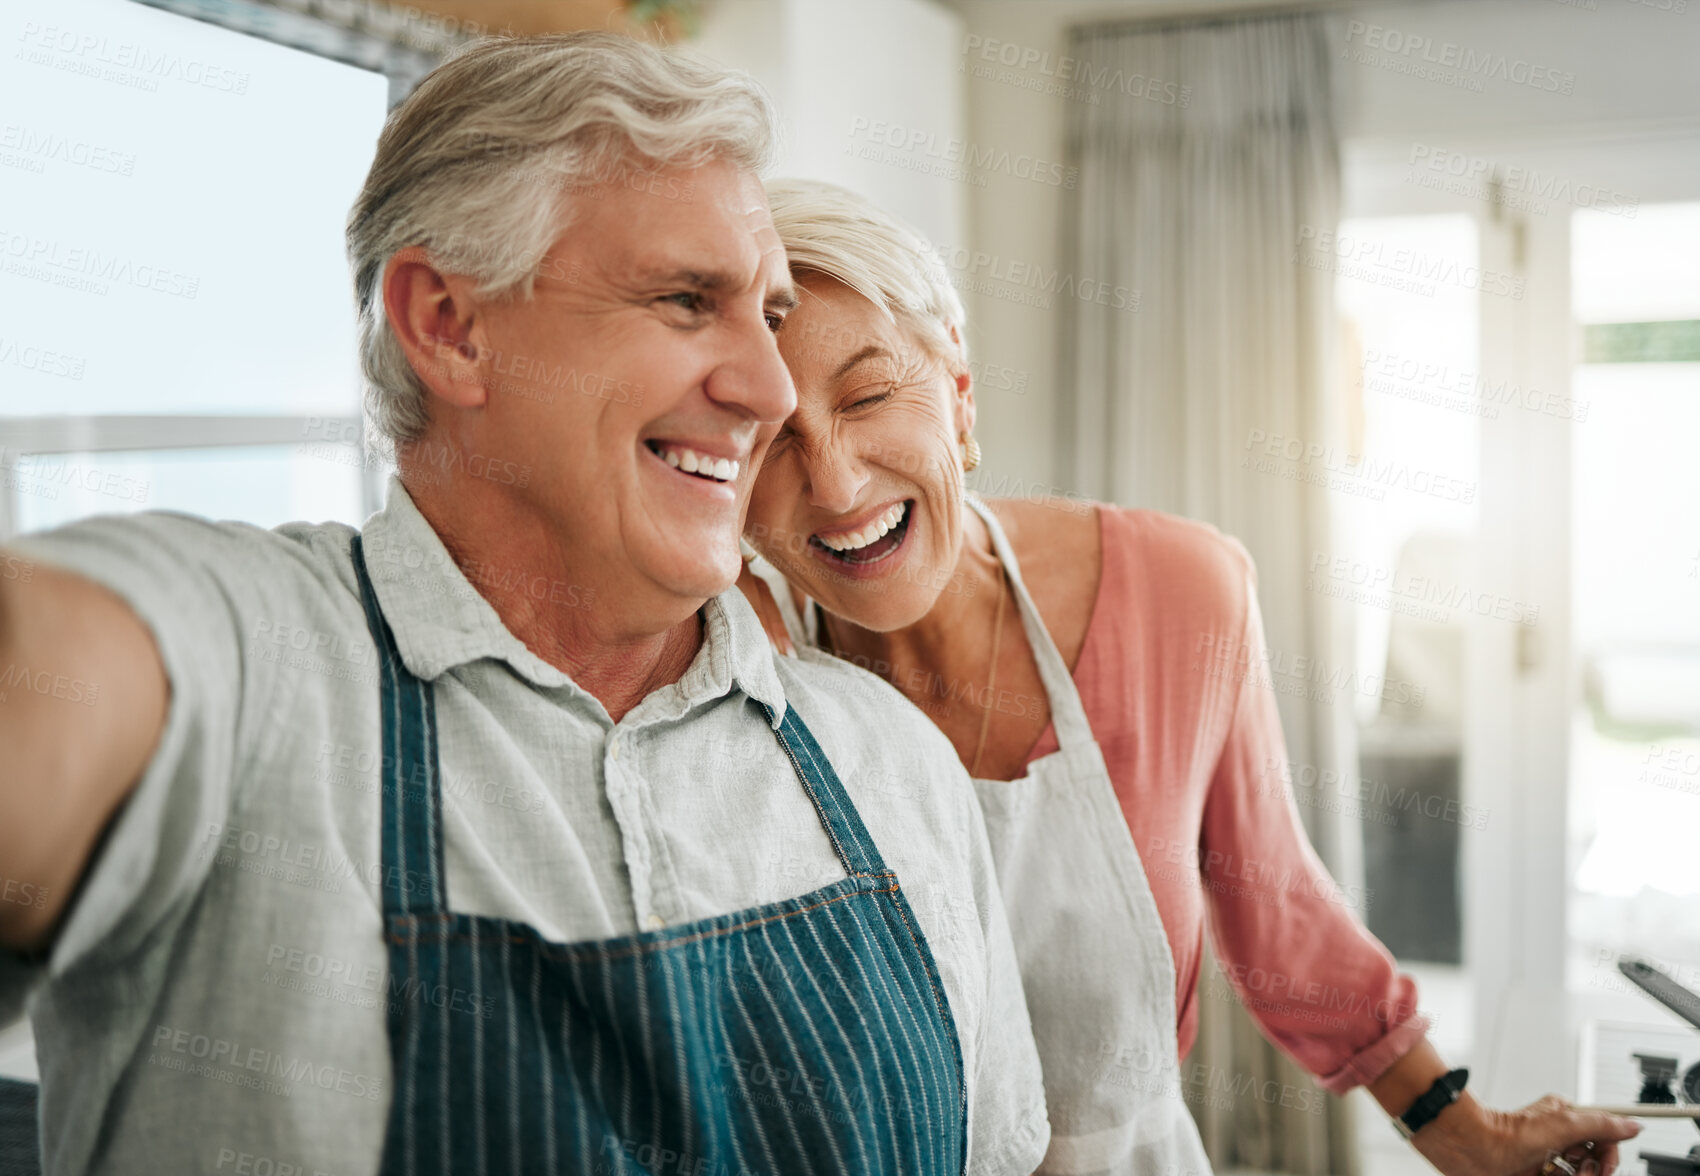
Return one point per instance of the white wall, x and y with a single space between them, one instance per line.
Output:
1622 61
844 73
1633 75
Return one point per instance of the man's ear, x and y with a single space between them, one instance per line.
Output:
432 316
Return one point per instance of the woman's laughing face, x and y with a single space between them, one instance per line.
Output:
859 502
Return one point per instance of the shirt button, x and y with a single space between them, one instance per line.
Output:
655 922
614 747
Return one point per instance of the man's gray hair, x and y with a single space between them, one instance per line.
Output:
833 231
479 164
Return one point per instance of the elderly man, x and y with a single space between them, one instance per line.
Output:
493 838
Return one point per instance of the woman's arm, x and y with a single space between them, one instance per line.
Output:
1321 987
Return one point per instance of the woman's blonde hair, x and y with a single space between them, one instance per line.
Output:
833 231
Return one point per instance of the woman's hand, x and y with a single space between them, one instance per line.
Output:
1468 1139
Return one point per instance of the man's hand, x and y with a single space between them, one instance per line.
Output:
1468 1139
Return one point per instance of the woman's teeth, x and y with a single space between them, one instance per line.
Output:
874 530
718 469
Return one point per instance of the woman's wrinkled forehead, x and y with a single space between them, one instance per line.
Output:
835 331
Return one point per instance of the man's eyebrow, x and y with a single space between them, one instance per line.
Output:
871 351
689 278
783 298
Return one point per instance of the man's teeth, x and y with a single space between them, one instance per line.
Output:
874 530
719 468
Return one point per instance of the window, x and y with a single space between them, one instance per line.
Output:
1635 778
178 329
1410 316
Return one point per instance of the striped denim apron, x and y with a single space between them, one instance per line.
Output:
810 1035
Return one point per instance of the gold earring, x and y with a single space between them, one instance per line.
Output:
970 453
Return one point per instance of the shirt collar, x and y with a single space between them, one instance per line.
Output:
440 621
735 651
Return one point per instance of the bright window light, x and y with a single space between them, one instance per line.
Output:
174 197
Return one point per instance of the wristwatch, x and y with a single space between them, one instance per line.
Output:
1434 1100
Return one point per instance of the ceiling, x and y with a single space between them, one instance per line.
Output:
541 16
1085 11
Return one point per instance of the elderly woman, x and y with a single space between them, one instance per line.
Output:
1124 778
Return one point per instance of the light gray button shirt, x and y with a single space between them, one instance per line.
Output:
216 999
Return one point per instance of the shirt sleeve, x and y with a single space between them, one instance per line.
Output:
1008 1127
193 584
1319 984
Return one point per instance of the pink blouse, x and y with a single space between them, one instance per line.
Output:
1178 693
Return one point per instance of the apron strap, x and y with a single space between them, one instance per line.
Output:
411 825
838 816
1068 713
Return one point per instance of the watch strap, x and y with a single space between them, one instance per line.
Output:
1442 1094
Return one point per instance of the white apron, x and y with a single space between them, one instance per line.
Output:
1095 959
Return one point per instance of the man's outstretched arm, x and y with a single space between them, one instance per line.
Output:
83 700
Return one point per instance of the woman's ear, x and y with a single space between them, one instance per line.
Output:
964 380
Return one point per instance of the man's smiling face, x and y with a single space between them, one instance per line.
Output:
653 385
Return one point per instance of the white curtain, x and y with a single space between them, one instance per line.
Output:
1212 155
